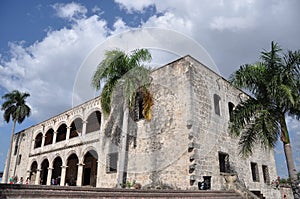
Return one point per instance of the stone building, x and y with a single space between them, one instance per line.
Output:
186 142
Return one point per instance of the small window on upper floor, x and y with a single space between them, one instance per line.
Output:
138 107
19 159
111 162
217 100
230 109
254 171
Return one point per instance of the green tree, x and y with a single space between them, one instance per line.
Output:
274 84
123 73
15 109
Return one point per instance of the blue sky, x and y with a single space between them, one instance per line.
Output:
40 38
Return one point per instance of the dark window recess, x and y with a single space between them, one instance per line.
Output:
217 100
265 170
254 170
19 159
230 108
111 162
38 140
61 133
76 128
137 112
224 162
49 137
93 122
16 149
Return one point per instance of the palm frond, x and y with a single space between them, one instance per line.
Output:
243 115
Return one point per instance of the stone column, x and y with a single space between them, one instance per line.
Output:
27 175
49 176
63 175
84 127
79 174
99 167
37 177
54 137
43 141
68 132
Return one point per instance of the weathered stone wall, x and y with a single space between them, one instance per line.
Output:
160 158
177 148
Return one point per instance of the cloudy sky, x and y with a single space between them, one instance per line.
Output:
44 43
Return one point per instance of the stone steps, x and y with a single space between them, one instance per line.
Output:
57 192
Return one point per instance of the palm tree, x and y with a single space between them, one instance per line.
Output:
15 109
125 75
274 84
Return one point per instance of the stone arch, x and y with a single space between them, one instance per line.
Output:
72 169
49 135
87 149
44 171
71 119
53 157
90 111
61 132
93 121
38 140
90 162
76 127
56 172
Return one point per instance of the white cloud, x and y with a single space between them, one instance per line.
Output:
233 23
70 11
131 6
47 69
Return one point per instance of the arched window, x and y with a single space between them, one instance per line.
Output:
76 128
56 172
61 133
93 122
38 140
33 170
44 172
217 100
72 167
230 108
49 137
90 168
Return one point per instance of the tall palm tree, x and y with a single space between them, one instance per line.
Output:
124 74
274 83
15 109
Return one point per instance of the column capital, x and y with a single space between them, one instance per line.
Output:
69 127
84 121
50 168
64 166
80 164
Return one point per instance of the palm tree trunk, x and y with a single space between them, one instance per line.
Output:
7 164
290 161
288 150
123 153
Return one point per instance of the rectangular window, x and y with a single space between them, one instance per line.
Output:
265 170
111 162
254 170
217 100
19 159
224 162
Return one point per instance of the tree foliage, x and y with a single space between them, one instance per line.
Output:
15 107
274 83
